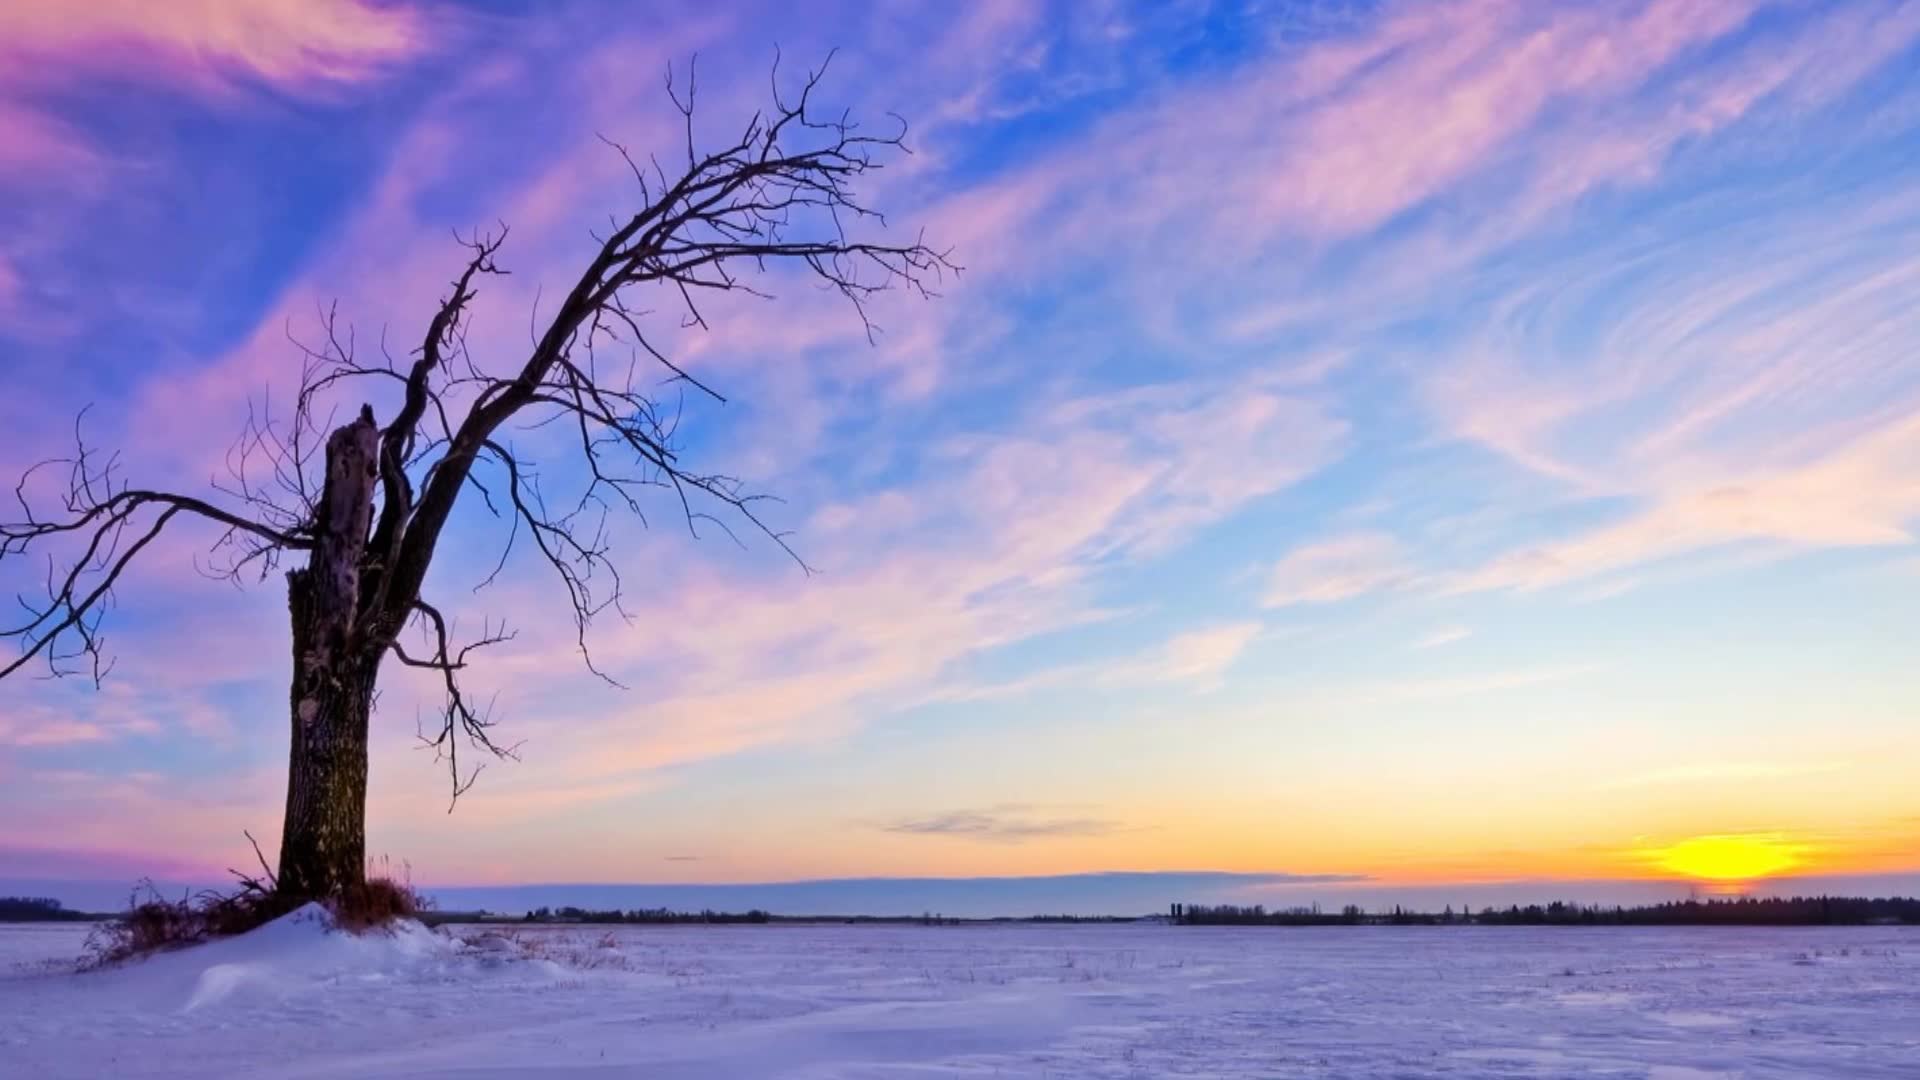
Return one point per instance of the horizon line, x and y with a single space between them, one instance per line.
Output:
1269 877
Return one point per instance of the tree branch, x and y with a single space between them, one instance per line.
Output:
458 718
103 526
781 193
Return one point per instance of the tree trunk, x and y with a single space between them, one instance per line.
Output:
323 842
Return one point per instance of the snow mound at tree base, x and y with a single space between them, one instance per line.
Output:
299 953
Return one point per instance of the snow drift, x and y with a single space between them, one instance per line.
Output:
297 998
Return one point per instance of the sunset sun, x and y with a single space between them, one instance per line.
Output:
1744 857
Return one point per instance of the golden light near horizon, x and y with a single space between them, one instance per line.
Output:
1730 857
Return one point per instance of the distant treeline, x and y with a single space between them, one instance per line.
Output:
39 909
1063 919
642 915
660 916
1733 911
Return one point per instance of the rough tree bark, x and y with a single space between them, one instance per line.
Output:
366 505
323 840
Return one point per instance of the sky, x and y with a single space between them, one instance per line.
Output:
1371 446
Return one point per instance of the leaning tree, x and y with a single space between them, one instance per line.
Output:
363 508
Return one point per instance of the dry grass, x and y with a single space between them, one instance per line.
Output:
377 902
152 923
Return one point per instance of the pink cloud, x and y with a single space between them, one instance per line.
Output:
202 44
1198 659
1625 141
34 143
1861 495
23 731
1453 85
1337 138
115 712
1338 568
97 864
1511 110
1741 410
1038 508
213 49
1738 412
395 258
1003 541
9 284
107 821
1002 548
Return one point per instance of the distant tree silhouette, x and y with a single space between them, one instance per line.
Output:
643 916
1733 911
37 909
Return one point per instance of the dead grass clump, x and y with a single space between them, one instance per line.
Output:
152 923
377 902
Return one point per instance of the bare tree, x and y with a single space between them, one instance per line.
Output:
364 506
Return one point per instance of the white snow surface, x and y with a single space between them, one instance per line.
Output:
297 999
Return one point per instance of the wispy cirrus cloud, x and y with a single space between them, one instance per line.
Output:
1445 635
33 143
1561 293
25 729
121 867
1338 568
1007 823
9 284
128 823
1410 64
1001 550
1197 659
1202 656
1769 406
208 46
127 128
1338 137
1718 413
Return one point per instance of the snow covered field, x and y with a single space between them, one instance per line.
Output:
1014 1001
